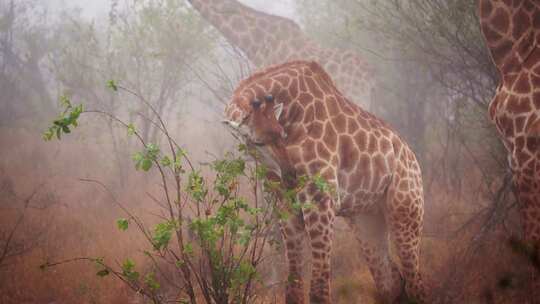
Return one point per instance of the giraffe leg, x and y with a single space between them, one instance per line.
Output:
405 218
371 233
530 217
319 222
293 233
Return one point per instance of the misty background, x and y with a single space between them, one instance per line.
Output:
434 82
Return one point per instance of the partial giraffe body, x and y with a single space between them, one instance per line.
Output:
512 33
268 39
376 175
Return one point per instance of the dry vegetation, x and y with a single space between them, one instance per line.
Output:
470 214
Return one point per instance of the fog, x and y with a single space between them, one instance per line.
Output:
160 72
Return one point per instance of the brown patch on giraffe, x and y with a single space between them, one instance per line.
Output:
322 151
309 153
509 79
346 108
372 145
295 134
316 130
313 88
332 105
309 115
352 125
363 172
303 85
501 51
521 23
532 143
295 112
379 164
491 35
518 105
348 153
361 140
312 218
283 80
330 137
305 99
519 142
315 167
535 80
485 8
293 89
505 124
522 84
340 123
500 20
320 111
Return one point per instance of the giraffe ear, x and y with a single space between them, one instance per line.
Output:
278 109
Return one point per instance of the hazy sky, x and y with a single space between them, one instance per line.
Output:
94 8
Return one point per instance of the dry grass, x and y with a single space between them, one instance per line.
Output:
81 222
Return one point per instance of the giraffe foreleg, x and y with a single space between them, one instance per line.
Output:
293 233
319 223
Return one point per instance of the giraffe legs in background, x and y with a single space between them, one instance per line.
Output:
371 233
530 217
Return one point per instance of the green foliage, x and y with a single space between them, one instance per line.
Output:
67 118
128 270
196 187
162 234
111 84
151 282
103 273
228 171
321 184
144 160
131 129
122 224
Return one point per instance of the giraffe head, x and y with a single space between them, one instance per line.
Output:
255 116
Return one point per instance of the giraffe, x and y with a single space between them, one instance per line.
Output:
511 31
268 39
295 109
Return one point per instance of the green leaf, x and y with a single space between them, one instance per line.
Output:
321 184
122 224
150 280
103 273
165 161
146 164
64 101
130 129
111 84
128 270
188 249
162 234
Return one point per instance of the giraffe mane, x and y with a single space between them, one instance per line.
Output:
315 67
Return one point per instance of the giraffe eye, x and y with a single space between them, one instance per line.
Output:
269 98
256 103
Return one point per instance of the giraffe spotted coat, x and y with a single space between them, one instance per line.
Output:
268 39
377 177
512 33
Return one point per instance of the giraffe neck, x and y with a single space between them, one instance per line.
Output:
511 31
257 34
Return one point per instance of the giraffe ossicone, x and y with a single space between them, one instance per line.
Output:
375 173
